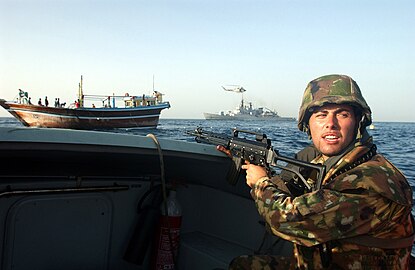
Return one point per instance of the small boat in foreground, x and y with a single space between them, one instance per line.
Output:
69 200
137 112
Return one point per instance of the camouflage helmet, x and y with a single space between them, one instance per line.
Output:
332 89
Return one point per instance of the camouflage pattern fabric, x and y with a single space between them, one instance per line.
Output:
334 89
260 262
373 198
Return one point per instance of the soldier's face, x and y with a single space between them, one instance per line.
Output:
332 128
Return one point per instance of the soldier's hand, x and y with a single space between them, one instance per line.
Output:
224 150
254 173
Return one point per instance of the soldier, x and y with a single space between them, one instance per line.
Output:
360 217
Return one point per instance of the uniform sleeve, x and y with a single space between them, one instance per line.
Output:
318 216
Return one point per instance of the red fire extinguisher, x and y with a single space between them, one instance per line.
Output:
168 234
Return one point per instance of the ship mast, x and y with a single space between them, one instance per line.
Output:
242 100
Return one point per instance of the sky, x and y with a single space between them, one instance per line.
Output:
191 48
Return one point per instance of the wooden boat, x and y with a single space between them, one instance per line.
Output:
137 112
68 200
86 118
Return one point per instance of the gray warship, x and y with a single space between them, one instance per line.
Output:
246 111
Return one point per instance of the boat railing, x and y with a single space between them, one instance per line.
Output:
127 100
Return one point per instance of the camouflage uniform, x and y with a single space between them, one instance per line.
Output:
362 212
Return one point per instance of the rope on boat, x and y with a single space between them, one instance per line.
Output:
164 189
161 158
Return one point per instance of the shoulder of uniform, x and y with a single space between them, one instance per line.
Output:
377 175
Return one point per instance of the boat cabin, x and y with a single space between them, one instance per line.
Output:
136 101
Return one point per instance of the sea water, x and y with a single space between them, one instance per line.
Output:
396 141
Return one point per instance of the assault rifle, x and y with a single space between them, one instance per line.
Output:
258 152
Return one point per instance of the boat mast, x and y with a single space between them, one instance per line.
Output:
153 83
81 94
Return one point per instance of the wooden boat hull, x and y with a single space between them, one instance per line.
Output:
85 118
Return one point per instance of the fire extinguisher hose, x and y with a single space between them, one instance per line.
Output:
164 191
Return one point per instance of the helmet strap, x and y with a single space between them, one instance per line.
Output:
306 129
361 133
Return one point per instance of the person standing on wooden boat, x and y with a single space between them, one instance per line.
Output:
360 217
